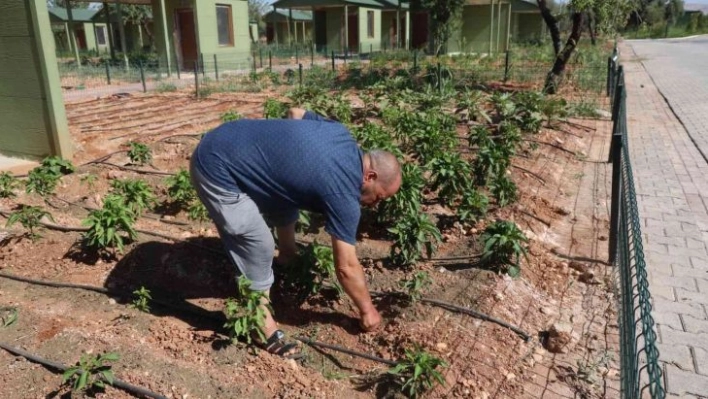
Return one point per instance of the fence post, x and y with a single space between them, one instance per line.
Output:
506 66
297 55
254 67
346 55
439 77
415 61
216 69
270 60
196 78
616 159
609 75
108 73
177 68
201 56
142 76
371 49
260 55
300 73
333 67
312 54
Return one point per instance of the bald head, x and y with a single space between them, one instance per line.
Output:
386 167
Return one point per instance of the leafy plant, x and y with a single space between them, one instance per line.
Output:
470 106
141 300
9 316
451 175
179 188
8 184
110 226
139 153
230 116
407 199
90 372
30 217
41 181
503 245
90 179
246 315
504 106
415 286
197 211
553 109
418 371
58 165
304 220
315 264
473 206
136 194
413 233
503 189
274 109
372 136
530 107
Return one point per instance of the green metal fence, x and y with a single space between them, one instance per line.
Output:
641 375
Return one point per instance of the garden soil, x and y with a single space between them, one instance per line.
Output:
181 351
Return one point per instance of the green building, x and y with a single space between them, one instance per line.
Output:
85 31
288 26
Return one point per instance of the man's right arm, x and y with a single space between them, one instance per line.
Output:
351 275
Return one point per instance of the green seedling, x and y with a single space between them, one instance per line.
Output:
304 220
90 180
274 109
413 233
246 315
30 217
8 184
197 211
230 116
136 194
314 265
416 285
110 226
139 153
503 189
504 243
41 181
90 372
408 198
417 372
180 190
473 206
57 165
450 175
141 300
9 316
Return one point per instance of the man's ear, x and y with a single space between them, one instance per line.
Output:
371 176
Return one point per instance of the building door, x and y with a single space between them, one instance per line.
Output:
187 37
353 44
393 32
420 30
320 19
80 38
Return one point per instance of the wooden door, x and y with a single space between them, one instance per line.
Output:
353 33
187 37
420 30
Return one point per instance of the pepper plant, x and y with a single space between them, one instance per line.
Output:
473 206
407 199
180 190
90 372
413 233
504 243
141 300
314 265
139 153
415 286
8 184
30 217
197 211
418 371
230 116
274 109
136 194
110 226
44 178
245 315
503 189
450 175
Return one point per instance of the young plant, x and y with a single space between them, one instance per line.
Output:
41 181
136 194
245 315
8 184
30 217
407 199
139 153
451 176
503 189
304 220
197 211
473 206
57 166
179 189
90 372
141 300
315 264
90 180
417 372
274 109
8 316
554 109
415 286
231 115
110 226
504 243
413 233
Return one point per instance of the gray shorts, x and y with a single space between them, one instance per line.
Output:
242 229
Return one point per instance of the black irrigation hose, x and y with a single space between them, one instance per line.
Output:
145 215
460 309
345 350
551 145
132 389
541 179
100 290
141 171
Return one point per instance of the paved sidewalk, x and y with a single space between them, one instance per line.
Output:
671 178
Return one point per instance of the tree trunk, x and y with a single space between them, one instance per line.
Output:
552 24
592 27
553 79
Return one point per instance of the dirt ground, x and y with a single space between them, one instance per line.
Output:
564 209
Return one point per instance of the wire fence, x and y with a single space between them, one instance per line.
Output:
641 375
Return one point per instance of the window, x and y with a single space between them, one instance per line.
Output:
370 23
101 35
224 25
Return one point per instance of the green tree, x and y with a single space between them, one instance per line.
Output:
445 16
139 16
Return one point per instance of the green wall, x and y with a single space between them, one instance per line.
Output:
367 43
474 34
207 37
527 26
387 18
335 28
282 32
31 107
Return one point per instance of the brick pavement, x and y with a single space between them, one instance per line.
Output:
671 177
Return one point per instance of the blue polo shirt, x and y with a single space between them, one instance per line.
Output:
283 164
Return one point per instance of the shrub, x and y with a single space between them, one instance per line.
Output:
503 245
110 226
136 194
246 315
8 184
30 217
90 372
139 153
418 371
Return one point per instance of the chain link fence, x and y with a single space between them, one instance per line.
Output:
641 375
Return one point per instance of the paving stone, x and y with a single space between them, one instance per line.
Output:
694 325
679 355
701 357
681 382
672 320
670 336
691 297
687 271
665 306
686 283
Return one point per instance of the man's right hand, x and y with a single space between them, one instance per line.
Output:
296 113
370 320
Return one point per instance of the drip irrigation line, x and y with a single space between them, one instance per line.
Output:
130 388
192 136
530 173
531 215
459 309
103 158
337 348
52 284
141 171
551 145
146 215
587 128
